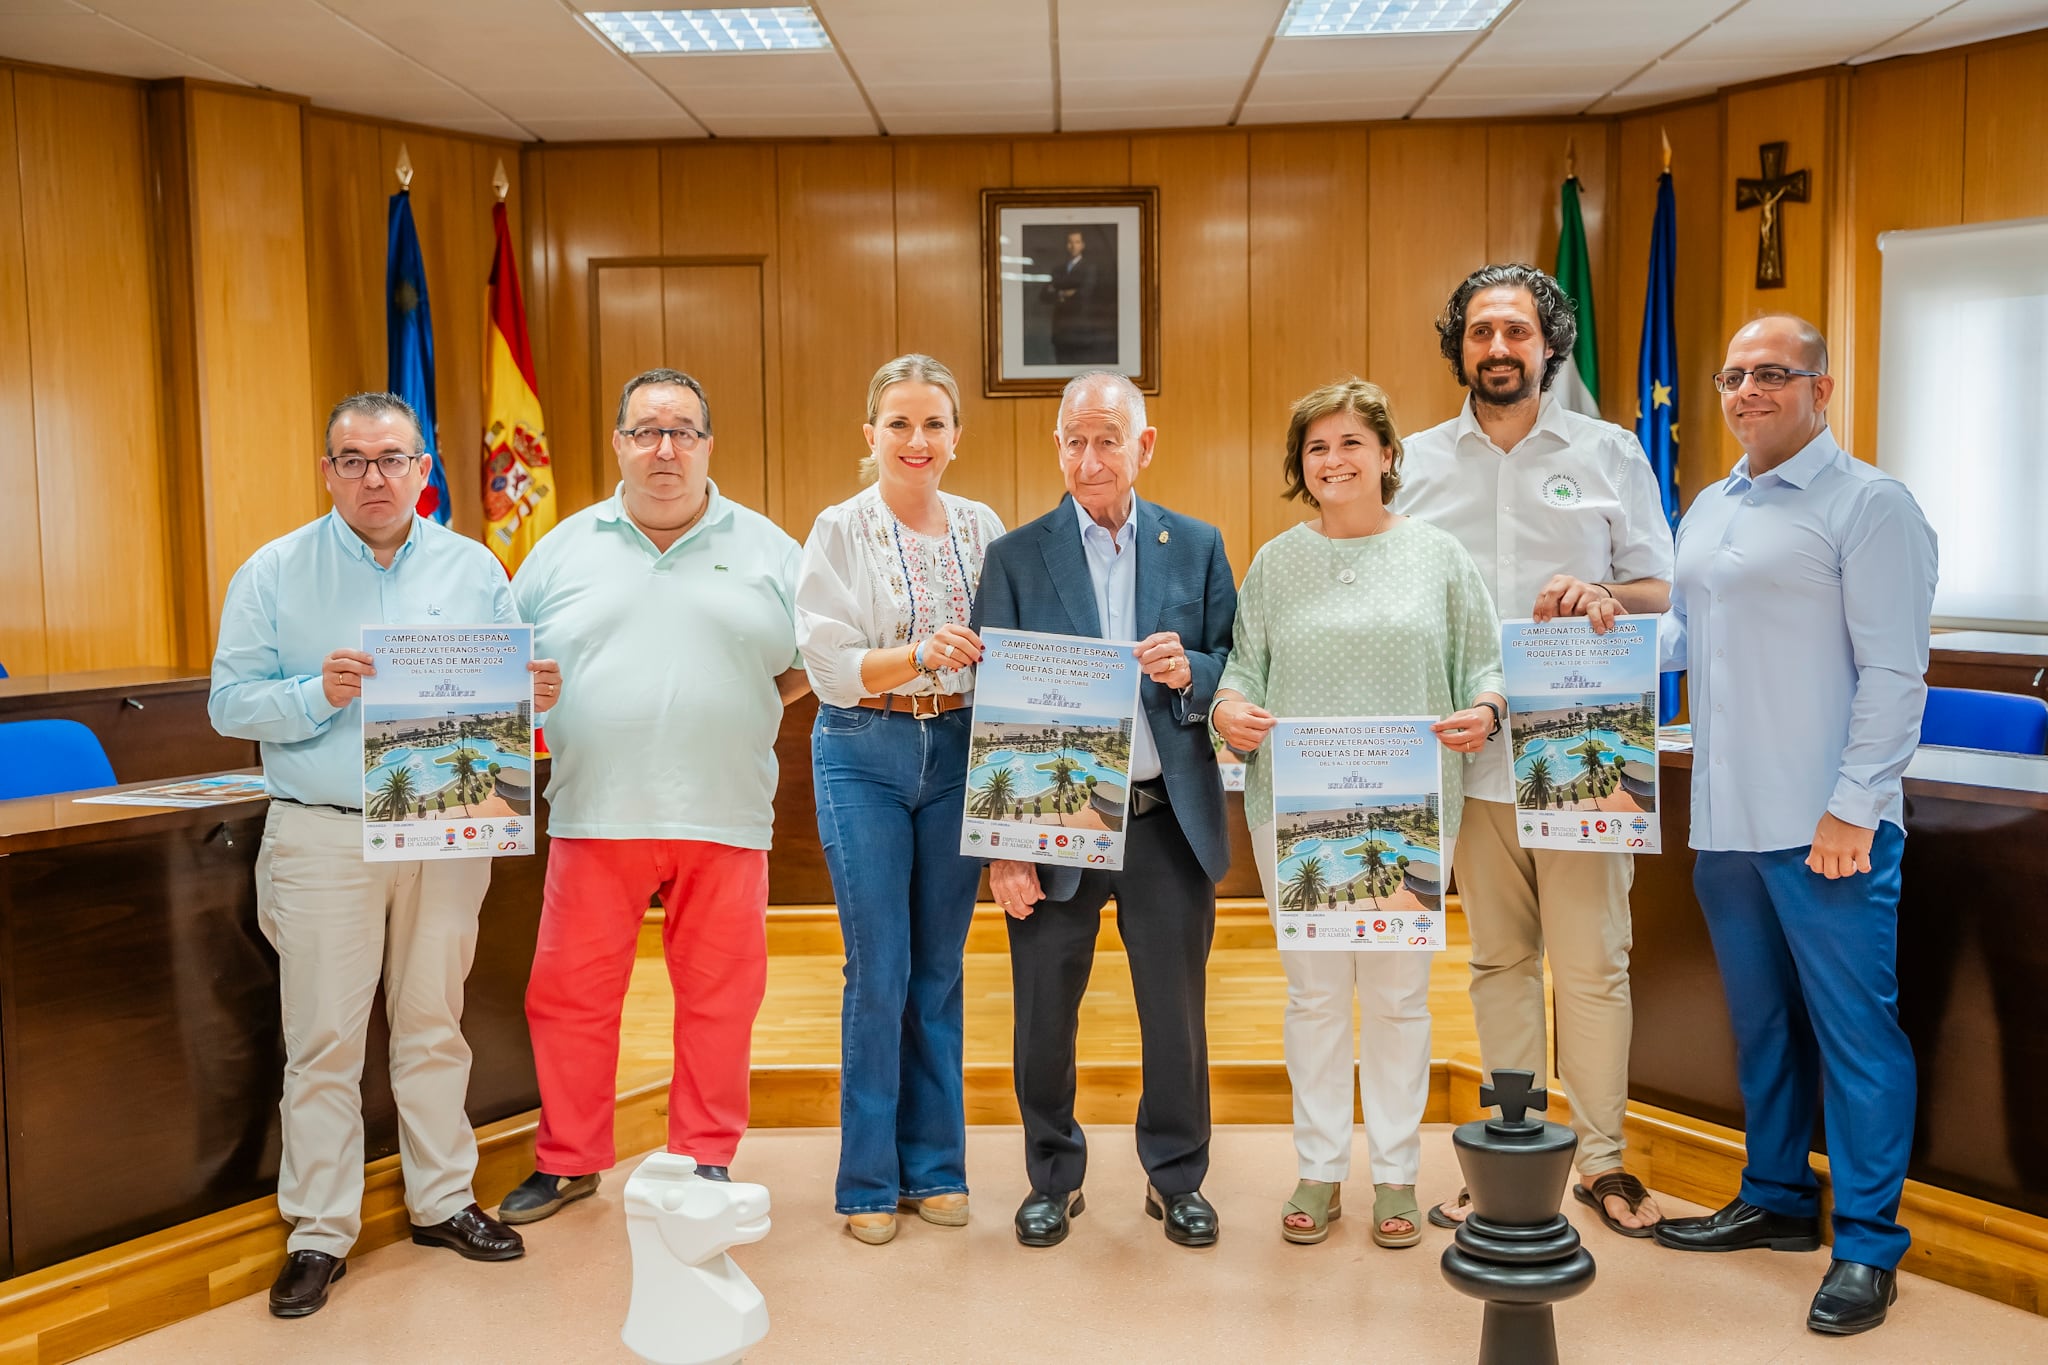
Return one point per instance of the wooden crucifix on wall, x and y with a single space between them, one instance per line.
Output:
1774 187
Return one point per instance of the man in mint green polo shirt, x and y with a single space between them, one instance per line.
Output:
678 606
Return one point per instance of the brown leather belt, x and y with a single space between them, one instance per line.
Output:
924 706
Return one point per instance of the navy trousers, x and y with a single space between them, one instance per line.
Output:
1810 969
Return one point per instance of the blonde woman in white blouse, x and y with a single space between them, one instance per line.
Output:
882 605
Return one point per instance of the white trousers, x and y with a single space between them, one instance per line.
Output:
338 924
1392 1050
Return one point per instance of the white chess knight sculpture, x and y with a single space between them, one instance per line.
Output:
691 1304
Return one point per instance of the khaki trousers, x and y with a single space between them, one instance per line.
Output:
1520 903
1391 1057
339 924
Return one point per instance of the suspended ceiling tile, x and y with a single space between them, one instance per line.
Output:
1573 30
613 129
1325 111
1481 106
1109 47
87 42
904 50
807 125
1799 33
1970 22
1542 84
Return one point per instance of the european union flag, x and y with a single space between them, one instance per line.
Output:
409 341
1657 384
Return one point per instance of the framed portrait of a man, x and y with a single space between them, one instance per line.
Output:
1071 283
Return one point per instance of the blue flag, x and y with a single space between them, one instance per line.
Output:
1657 385
409 342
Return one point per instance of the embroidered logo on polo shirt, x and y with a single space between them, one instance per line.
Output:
719 568
1562 490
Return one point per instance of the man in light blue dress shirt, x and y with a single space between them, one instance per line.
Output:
1800 611
288 673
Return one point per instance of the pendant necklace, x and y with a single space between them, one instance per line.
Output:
1346 574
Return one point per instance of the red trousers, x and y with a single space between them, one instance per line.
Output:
714 937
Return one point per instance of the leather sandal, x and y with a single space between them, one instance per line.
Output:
1319 1201
1439 1218
1615 1184
1395 1201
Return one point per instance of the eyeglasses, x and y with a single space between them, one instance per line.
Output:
1767 377
647 440
356 466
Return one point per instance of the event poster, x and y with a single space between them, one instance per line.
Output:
1358 847
1049 755
1582 720
448 742
188 793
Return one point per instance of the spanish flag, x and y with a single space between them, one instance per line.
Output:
519 487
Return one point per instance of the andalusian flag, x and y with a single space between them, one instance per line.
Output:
519 488
1578 379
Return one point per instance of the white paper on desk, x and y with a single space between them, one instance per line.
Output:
1049 752
1358 846
192 792
1582 720
447 742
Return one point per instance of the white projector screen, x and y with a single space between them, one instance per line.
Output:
1960 418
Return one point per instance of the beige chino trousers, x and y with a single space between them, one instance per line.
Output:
1519 904
339 924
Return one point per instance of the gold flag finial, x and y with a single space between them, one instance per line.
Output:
404 167
500 182
1571 158
1666 137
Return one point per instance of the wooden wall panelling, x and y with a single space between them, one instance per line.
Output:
712 329
1310 204
1525 166
1799 113
1428 233
346 184
1056 162
255 355
2005 150
1202 464
628 338
938 299
836 210
22 644
1905 129
170 148
88 254
718 200
598 202
1695 133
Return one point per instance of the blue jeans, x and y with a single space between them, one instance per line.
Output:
1810 970
889 804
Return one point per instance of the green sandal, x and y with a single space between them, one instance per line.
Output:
1395 1201
1319 1201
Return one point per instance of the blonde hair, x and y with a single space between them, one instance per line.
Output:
1369 403
914 368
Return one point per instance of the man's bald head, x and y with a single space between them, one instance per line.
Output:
1790 327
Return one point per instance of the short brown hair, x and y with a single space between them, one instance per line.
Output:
663 376
1369 403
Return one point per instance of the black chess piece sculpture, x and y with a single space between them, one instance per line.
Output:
1516 1251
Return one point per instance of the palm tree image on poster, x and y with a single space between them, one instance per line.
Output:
476 762
1384 854
1070 774
1598 755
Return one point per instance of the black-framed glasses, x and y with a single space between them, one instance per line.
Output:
356 466
647 440
1767 377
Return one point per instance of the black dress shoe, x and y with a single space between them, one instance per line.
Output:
1853 1298
1740 1226
1190 1219
1044 1219
473 1235
714 1173
301 1285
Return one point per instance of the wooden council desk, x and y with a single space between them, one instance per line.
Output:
151 721
1990 661
141 1056
1973 971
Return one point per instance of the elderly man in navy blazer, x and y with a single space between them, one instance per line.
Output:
1106 564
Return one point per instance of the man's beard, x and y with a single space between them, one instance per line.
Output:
1484 392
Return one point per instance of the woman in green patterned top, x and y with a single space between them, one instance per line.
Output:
1357 613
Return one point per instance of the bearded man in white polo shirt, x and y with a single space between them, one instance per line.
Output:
680 606
1561 513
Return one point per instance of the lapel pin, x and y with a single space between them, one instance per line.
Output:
1162 537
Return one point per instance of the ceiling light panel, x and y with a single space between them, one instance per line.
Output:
1352 18
747 28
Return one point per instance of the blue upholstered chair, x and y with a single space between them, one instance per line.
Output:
40 757
2005 721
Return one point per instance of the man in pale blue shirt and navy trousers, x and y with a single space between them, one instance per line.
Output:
1800 612
288 672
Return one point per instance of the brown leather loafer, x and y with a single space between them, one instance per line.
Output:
473 1234
301 1284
